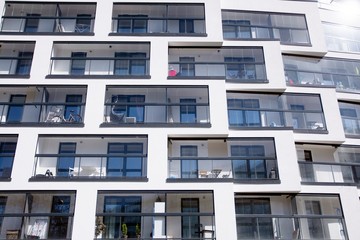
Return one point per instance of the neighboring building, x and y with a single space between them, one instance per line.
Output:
205 119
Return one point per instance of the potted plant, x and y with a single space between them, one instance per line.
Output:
138 231
100 227
124 230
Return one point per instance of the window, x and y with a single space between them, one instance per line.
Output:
127 63
32 22
59 224
117 205
238 116
187 111
314 224
78 63
187 68
74 109
64 164
307 156
132 24
186 26
240 68
129 164
189 167
24 63
253 227
297 117
251 167
190 225
7 152
236 29
128 109
83 23
2 208
16 108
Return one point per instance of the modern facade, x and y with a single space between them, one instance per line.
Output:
180 119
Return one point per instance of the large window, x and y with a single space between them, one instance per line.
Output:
128 107
187 66
121 204
288 28
16 108
132 24
189 167
58 226
188 111
66 164
240 68
127 63
244 117
78 63
129 163
72 109
24 63
32 22
349 115
190 225
7 152
252 167
186 25
83 23
253 228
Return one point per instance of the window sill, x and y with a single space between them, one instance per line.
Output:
177 125
88 179
61 76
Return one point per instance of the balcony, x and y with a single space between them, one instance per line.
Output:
332 165
7 153
37 214
134 106
16 59
100 60
48 18
350 120
341 38
342 74
290 29
298 217
249 160
40 105
235 64
90 158
301 112
158 19
159 214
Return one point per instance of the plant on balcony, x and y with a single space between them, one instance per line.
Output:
100 226
124 230
138 231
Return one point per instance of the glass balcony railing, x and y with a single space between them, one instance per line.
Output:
18 66
172 113
99 66
49 113
247 72
222 168
34 225
327 173
285 35
157 25
340 81
290 227
273 118
47 24
77 166
147 226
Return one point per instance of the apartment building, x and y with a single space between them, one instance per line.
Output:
180 119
